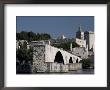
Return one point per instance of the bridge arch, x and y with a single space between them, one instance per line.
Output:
59 57
77 60
70 60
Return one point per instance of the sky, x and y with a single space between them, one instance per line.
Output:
55 25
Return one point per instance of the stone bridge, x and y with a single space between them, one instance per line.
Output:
44 53
51 54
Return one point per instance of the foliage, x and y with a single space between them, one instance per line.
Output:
31 36
66 45
85 63
24 58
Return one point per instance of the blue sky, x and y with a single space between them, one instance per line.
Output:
55 25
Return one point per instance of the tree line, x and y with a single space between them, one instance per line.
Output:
31 36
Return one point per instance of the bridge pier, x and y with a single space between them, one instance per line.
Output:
39 64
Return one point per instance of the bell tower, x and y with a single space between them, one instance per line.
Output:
80 34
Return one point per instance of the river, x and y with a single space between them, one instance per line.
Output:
83 71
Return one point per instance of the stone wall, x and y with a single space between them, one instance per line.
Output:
57 67
39 64
81 52
74 66
80 42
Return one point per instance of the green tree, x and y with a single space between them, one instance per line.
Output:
31 36
24 60
65 45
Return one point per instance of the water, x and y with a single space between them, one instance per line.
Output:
82 71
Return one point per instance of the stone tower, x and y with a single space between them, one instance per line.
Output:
80 34
89 37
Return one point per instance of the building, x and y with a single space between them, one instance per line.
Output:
85 38
86 42
80 42
89 37
80 34
81 52
80 38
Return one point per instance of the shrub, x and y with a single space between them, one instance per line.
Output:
85 63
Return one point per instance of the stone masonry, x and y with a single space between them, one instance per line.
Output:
39 64
44 56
